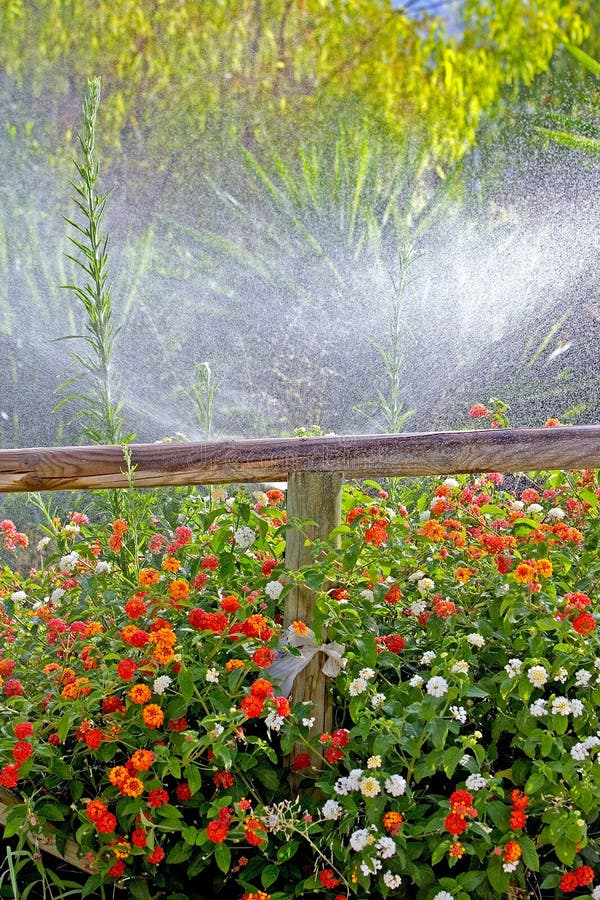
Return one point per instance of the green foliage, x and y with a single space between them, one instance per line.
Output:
575 139
272 64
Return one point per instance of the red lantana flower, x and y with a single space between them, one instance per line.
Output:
328 879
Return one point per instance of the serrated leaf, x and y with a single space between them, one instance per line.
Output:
186 684
223 857
269 875
452 757
535 782
193 777
440 851
530 855
50 811
179 853
138 889
287 851
14 822
565 849
470 880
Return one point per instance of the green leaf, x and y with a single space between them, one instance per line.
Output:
551 881
15 819
470 880
573 142
50 811
269 875
452 757
591 64
189 834
530 855
440 851
524 526
179 853
497 877
91 885
368 649
565 849
499 813
193 777
313 578
438 731
287 851
63 726
425 767
268 776
186 684
535 782
223 857
138 888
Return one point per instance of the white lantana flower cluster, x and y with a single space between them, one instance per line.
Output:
161 684
67 563
539 708
581 751
459 713
273 589
437 686
244 536
582 677
562 706
461 667
273 721
538 676
510 866
418 607
513 667
424 585
476 640
369 785
331 810
359 685
476 782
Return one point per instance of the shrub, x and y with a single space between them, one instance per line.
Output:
141 716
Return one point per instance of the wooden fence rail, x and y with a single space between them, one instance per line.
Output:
220 462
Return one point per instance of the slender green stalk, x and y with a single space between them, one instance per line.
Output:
202 393
99 399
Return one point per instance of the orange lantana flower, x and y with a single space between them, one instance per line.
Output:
153 715
148 577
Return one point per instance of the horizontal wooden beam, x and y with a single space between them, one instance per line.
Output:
272 459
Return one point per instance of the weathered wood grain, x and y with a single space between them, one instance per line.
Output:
316 497
436 453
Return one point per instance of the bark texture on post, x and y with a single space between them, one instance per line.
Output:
316 496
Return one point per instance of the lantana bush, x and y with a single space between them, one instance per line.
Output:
141 719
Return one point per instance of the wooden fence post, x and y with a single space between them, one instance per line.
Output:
316 496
